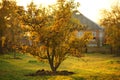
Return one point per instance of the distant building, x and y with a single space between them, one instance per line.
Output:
97 31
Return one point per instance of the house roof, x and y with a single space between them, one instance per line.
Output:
90 25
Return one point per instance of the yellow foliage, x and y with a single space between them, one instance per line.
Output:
111 20
52 31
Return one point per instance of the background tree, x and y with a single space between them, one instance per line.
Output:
51 29
14 31
5 13
10 28
111 22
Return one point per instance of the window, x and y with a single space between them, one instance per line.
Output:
94 34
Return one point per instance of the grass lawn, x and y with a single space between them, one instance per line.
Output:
91 67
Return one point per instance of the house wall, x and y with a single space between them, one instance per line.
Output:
101 37
98 37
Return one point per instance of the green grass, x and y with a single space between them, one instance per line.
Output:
91 67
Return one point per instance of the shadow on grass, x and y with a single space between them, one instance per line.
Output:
50 73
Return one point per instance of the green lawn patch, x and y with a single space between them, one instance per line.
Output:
91 67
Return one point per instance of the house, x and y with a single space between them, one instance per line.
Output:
97 31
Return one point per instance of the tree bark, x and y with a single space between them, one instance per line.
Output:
86 50
50 60
111 49
1 48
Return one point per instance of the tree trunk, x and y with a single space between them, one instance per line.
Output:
51 61
14 53
86 50
111 49
1 48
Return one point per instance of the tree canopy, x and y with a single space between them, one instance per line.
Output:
111 22
53 27
10 24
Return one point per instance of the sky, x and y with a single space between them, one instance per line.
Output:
89 8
